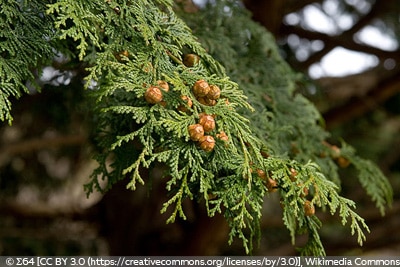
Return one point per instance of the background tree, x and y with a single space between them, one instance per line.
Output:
117 51
357 102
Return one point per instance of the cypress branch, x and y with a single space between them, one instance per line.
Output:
267 138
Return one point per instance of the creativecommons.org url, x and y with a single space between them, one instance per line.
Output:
151 261
198 261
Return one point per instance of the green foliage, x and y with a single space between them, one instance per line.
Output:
275 141
370 177
287 123
25 36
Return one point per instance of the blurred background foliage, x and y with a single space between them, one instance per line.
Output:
45 157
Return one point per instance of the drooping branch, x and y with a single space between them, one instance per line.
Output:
344 39
330 42
356 107
295 6
26 146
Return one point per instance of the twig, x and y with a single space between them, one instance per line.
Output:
356 107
